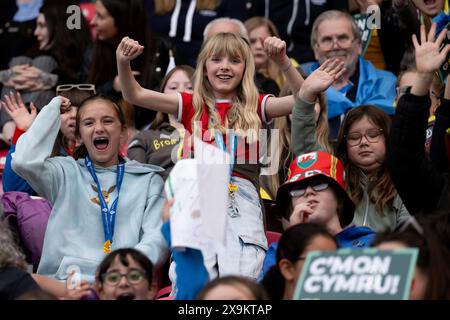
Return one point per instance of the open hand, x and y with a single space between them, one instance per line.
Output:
428 57
18 112
321 79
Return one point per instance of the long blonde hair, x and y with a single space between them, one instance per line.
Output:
165 6
243 112
271 70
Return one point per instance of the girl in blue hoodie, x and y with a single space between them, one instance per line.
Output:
88 219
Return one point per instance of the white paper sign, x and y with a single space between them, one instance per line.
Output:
200 189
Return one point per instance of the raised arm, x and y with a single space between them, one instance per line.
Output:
31 158
276 50
428 59
422 190
191 273
132 91
23 119
303 133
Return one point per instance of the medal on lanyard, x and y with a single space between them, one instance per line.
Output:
108 214
231 187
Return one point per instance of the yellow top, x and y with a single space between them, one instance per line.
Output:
374 53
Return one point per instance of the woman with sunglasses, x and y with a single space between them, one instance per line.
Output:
314 192
361 146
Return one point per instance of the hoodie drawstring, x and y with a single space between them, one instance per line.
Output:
174 19
291 22
189 19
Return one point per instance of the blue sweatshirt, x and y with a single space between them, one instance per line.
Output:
75 235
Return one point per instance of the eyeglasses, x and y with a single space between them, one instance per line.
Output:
315 185
81 86
343 41
411 221
134 276
371 135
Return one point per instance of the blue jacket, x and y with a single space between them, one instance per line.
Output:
355 237
12 181
351 237
442 19
375 87
192 275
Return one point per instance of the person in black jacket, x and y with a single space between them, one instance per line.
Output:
422 183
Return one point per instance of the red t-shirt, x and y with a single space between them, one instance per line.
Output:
246 163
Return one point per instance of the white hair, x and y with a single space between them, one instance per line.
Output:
242 29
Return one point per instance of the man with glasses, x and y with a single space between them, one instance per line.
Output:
335 35
315 192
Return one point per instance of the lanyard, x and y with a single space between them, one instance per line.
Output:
233 144
108 215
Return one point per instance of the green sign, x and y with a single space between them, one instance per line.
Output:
357 274
366 32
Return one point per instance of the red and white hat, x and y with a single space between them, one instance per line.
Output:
313 164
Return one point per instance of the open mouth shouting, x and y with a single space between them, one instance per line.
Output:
101 143
126 296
